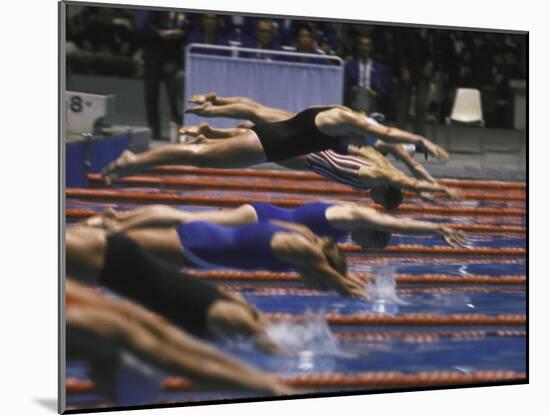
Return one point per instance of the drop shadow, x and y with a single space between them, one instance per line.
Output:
48 403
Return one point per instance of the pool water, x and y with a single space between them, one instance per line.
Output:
314 346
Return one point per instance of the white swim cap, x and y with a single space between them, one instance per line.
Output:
410 148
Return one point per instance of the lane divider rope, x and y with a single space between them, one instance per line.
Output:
171 197
268 276
293 175
335 379
410 319
274 187
375 379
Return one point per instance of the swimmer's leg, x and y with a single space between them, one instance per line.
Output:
241 110
244 150
211 132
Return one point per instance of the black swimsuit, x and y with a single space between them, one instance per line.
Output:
133 273
294 137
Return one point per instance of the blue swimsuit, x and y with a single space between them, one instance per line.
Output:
311 215
246 247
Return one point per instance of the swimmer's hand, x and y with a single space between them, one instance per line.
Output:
355 287
435 150
346 285
453 193
122 166
352 286
453 237
428 197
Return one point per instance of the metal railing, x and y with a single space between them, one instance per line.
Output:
278 81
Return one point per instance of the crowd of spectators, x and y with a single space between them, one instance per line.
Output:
408 74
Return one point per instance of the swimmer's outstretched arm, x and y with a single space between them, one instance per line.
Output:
373 175
391 134
320 275
313 267
416 168
371 218
162 343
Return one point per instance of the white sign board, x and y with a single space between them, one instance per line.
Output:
86 113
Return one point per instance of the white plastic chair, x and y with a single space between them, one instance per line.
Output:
467 108
467 112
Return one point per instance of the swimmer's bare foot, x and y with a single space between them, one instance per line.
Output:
202 98
200 139
122 166
201 109
195 130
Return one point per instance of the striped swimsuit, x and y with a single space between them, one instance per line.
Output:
338 167
335 165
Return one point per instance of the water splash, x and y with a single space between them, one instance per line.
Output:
310 337
384 290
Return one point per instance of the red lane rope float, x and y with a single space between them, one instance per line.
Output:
374 379
267 276
431 336
79 386
76 213
303 292
410 319
409 249
272 187
387 260
467 220
294 175
170 197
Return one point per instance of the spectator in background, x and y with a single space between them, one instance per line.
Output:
305 42
326 46
265 38
162 36
366 79
108 31
467 72
210 33
497 79
100 41
445 68
325 36
77 20
413 74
